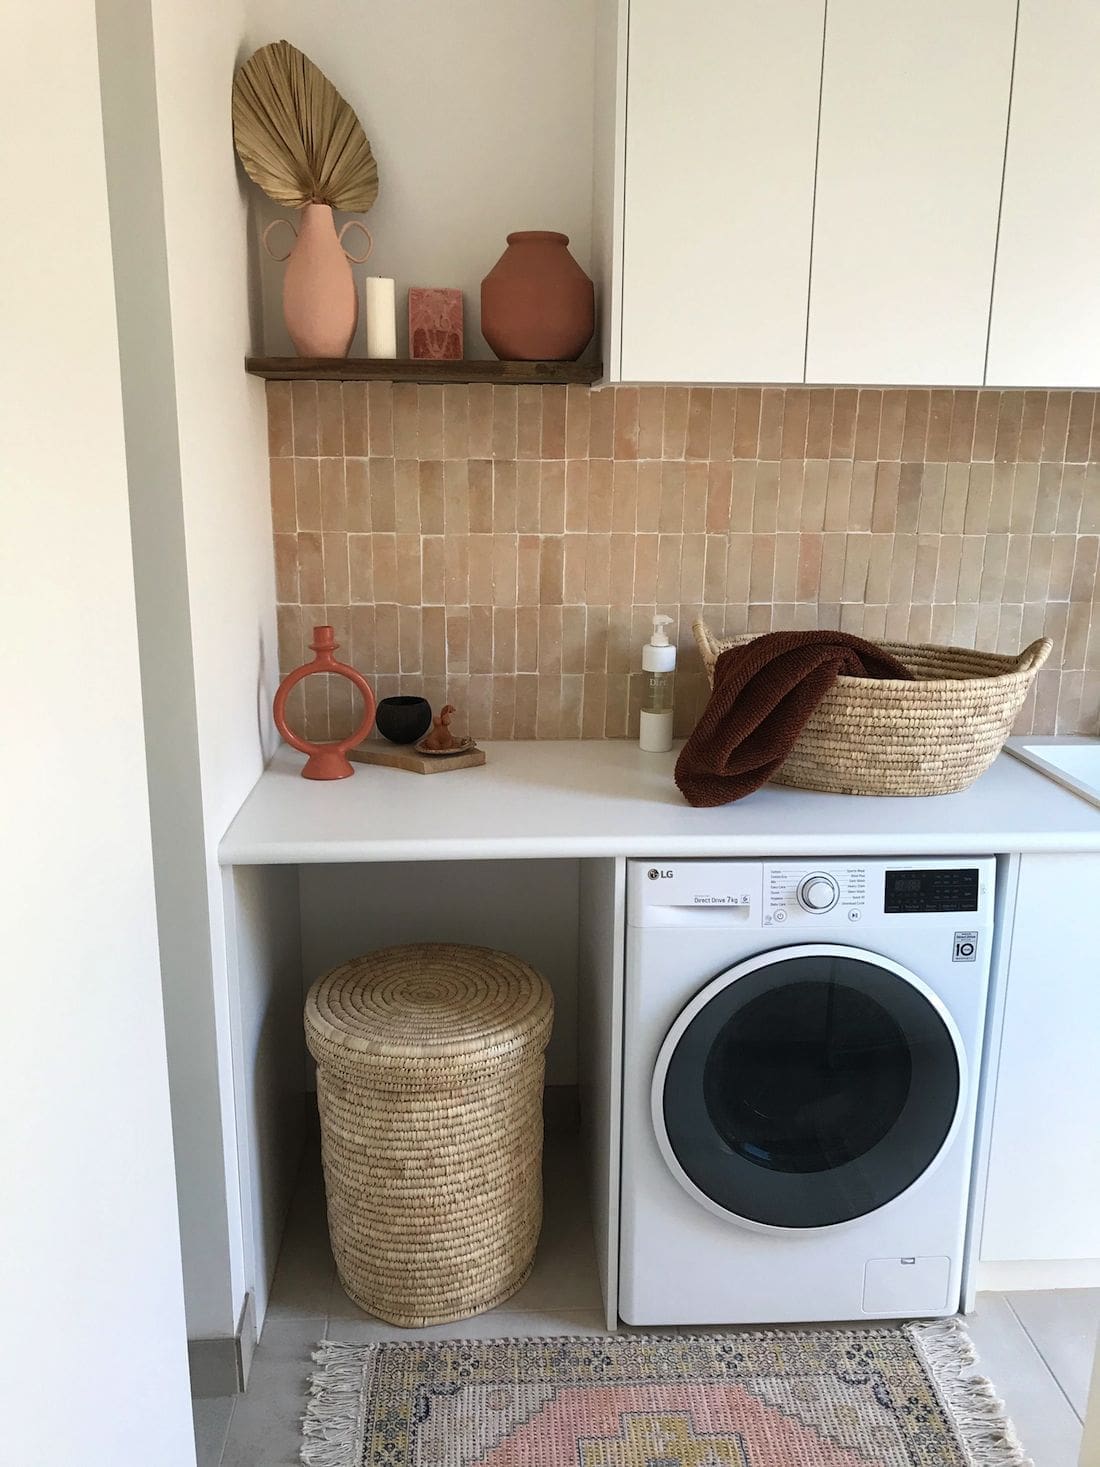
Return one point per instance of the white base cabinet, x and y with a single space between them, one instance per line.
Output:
1043 1190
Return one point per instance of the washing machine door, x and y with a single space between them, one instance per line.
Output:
808 1087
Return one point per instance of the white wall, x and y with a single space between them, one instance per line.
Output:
93 1366
479 113
524 907
167 662
222 430
202 526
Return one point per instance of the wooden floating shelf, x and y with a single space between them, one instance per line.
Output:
371 369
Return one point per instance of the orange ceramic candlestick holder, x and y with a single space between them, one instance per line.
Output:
326 761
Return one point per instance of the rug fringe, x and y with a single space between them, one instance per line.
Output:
986 1434
331 1424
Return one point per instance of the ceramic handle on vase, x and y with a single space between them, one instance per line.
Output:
355 224
273 225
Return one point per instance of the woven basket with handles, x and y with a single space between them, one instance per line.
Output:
932 736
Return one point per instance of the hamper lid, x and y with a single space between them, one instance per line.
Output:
429 1009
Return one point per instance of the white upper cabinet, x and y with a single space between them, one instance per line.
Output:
1046 298
914 112
721 131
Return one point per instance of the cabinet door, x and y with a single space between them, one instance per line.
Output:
1046 294
722 104
914 107
1044 1161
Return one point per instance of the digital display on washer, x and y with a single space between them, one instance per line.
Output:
954 890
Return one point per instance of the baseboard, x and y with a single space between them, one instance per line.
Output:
1056 1273
220 1366
561 1111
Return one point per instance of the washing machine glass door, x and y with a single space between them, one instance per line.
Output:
807 1087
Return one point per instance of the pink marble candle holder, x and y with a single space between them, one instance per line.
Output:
435 324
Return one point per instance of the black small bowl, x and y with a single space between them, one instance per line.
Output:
403 720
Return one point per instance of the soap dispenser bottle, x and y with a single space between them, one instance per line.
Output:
658 664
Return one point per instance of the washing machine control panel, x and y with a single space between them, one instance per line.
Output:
794 893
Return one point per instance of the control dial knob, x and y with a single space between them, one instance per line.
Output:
818 893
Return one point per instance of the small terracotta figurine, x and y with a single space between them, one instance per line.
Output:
440 739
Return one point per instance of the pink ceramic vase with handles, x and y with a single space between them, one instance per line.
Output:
320 298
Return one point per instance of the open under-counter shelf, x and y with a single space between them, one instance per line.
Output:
372 369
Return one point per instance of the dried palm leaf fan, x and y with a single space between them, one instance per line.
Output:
297 137
301 142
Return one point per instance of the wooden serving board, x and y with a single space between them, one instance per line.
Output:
406 757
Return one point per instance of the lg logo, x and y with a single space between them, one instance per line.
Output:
656 875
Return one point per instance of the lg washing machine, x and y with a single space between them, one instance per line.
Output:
801 1058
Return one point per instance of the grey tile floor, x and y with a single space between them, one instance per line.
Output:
1037 1347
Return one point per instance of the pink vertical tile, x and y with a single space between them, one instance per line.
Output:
600 491
626 422
479 419
722 422
334 503
303 398
429 422
576 494
1079 433
650 421
719 492
796 413
480 477
380 420
307 493
405 412
360 568
456 421
624 495
528 422
284 511
915 435
553 422
771 423
505 495
674 440
552 497
700 413
280 426
357 490
505 405
576 421
868 423
746 426
819 427
601 422
938 445
891 428
330 419
1032 422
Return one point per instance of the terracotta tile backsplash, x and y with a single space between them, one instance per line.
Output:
506 547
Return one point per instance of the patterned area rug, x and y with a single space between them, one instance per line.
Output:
887 1397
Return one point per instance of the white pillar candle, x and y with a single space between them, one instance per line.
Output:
381 317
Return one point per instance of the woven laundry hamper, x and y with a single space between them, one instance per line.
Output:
429 1085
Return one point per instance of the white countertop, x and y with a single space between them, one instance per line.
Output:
597 798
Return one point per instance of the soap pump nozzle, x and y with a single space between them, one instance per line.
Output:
660 636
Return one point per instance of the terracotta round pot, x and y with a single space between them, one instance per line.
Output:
537 304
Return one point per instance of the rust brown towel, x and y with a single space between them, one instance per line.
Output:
763 694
